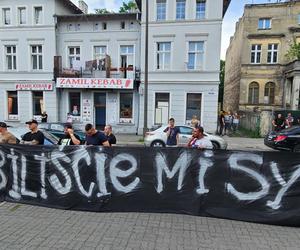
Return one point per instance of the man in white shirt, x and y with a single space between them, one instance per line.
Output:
198 140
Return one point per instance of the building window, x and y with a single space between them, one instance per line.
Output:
200 9
127 59
270 93
163 55
272 53
12 105
255 53
253 96
122 25
96 26
298 18
70 27
77 27
11 57
75 103
162 103
38 11
195 55
100 54
126 107
6 16
104 26
37 57
180 9
264 23
161 10
193 106
38 102
22 15
74 55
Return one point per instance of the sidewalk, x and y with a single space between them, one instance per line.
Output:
33 227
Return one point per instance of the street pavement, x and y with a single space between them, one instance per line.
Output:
32 227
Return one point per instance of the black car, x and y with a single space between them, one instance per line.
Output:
287 139
57 129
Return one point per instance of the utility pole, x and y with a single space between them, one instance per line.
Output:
145 129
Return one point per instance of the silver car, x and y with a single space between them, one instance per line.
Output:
158 138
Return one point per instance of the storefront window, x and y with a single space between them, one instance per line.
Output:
12 105
38 102
193 106
162 108
75 104
126 107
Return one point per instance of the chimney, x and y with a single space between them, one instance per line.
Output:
83 6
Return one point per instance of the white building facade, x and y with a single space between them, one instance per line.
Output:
27 48
184 60
99 62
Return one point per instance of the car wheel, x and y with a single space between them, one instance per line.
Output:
157 144
215 145
297 149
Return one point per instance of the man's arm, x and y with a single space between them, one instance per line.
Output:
12 140
74 139
106 144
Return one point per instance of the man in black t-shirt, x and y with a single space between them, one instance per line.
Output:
110 136
172 133
34 137
278 123
94 137
69 138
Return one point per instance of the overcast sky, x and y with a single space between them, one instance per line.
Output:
234 12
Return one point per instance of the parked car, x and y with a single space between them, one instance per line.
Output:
57 129
158 138
287 139
18 132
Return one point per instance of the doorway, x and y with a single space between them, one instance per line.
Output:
100 110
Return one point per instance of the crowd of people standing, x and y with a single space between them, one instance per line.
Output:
228 122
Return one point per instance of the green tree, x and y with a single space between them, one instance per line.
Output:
102 11
128 7
294 51
222 77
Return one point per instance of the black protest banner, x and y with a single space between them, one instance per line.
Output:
250 186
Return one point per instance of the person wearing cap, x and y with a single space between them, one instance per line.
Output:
69 137
34 137
5 136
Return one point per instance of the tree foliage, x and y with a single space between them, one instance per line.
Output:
102 11
128 7
222 77
294 51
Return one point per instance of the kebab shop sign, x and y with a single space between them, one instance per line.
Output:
95 83
34 86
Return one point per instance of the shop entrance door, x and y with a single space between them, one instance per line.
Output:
100 110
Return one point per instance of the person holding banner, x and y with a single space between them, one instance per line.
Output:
69 138
34 137
95 137
199 141
5 136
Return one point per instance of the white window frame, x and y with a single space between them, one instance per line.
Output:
256 51
196 52
120 54
154 103
181 18
163 68
33 14
37 54
133 108
75 118
156 8
13 55
264 23
202 105
18 16
201 16
3 15
77 27
73 56
272 51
